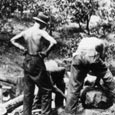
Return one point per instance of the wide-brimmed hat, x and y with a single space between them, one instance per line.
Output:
42 18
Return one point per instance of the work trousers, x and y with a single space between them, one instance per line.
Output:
59 99
35 74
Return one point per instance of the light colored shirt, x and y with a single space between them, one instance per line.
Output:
87 47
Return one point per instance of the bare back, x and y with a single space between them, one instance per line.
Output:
33 37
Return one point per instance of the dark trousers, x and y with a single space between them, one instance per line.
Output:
80 66
35 74
59 99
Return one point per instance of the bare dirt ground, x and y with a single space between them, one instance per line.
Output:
11 58
10 63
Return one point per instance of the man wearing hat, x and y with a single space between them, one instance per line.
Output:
34 68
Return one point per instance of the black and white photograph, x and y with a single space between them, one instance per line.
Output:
57 57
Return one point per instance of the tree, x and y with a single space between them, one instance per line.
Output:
82 10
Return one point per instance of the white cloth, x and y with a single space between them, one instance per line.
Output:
87 47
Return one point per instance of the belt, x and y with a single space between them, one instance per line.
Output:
35 55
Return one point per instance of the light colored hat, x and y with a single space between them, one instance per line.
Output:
41 18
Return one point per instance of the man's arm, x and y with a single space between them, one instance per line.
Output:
15 43
51 40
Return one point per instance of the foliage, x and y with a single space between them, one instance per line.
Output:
61 12
82 10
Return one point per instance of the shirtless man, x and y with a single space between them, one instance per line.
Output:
34 67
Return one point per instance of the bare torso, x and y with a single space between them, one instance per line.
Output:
33 37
